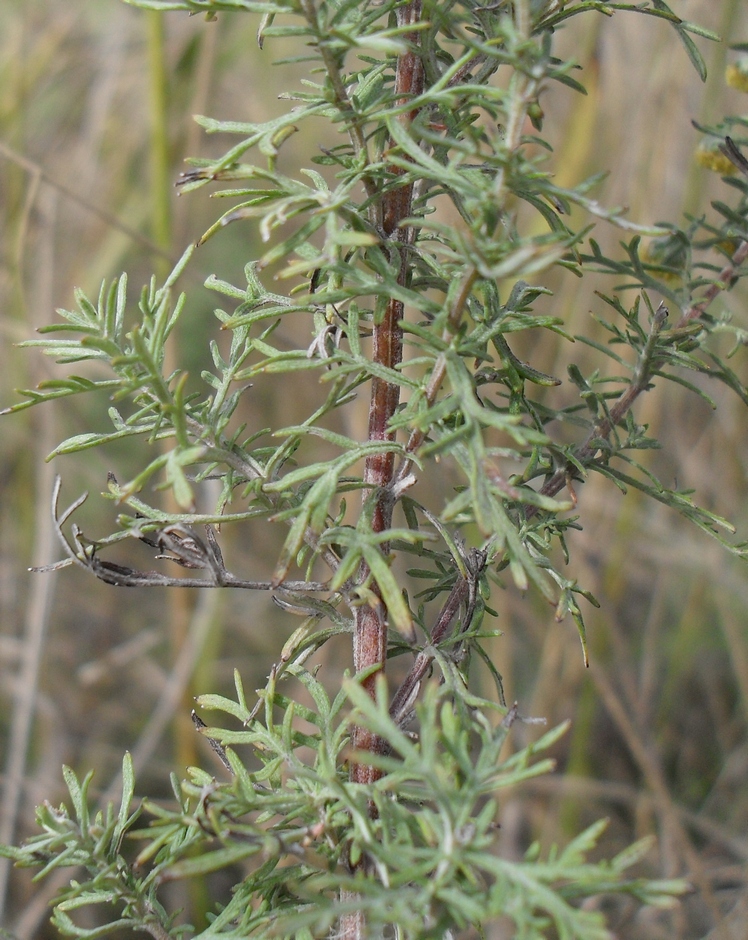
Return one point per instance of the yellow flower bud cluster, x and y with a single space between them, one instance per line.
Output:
710 156
736 75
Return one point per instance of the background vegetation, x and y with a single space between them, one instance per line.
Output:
658 741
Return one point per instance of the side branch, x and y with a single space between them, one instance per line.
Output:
464 591
603 429
730 270
177 543
613 417
723 282
342 98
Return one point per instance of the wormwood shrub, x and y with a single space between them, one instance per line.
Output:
373 811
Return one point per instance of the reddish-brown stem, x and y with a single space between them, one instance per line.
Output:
589 448
370 629
370 639
723 280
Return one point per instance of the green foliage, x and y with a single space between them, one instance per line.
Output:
293 826
417 226
94 841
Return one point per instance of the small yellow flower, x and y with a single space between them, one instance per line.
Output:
730 244
710 156
736 75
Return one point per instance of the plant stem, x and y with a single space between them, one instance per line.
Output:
723 282
370 640
464 591
370 636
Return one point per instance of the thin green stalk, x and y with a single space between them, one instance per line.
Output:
159 142
521 88
343 101
179 606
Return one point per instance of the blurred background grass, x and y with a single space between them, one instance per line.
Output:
658 740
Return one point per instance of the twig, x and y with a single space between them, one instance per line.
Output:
342 99
647 363
40 173
725 278
464 591
177 543
723 282
613 417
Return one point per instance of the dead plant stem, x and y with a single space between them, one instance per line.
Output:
651 769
